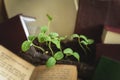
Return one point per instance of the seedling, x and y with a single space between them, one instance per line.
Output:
49 39
83 40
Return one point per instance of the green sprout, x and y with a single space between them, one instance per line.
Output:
82 39
28 43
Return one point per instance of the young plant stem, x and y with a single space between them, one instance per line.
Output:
88 49
82 46
49 26
50 48
61 50
38 47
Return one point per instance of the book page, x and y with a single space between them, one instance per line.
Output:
57 72
13 67
28 24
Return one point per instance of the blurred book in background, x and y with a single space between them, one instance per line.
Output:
15 30
111 35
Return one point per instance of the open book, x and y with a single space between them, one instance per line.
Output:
13 67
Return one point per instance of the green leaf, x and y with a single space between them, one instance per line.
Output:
49 17
47 38
90 41
53 35
43 29
59 55
56 42
51 62
26 45
62 38
31 38
83 37
74 36
42 37
84 42
68 51
76 55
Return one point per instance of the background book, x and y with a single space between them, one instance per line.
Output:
111 35
108 50
15 30
107 69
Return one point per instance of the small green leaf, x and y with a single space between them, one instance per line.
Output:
62 38
42 37
43 29
84 42
68 51
76 55
31 38
59 55
53 35
47 38
90 41
83 37
56 42
49 17
51 62
26 45
74 36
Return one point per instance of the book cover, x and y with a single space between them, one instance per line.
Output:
14 31
107 69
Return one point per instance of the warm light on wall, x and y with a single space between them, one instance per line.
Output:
63 12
